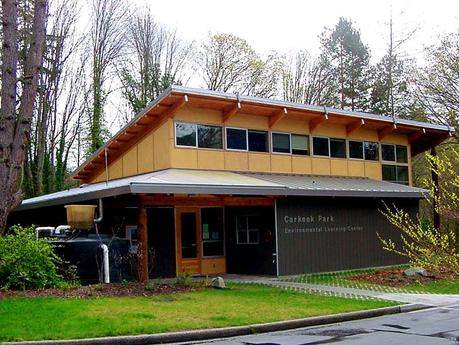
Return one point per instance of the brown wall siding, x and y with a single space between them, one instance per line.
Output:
347 239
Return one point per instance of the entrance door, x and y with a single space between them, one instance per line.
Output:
188 223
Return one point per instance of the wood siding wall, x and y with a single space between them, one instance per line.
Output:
157 150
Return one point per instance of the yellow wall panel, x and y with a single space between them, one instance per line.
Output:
236 161
338 167
364 134
130 162
163 139
115 170
198 115
333 131
320 166
395 139
356 167
184 158
259 162
213 266
211 159
281 163
249 121
291 126
301 164
373 170
145 162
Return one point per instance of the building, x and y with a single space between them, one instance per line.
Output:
212 182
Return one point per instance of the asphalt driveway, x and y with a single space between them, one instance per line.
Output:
433 326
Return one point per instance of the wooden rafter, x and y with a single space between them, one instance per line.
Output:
227 115
277 117
416 135
169 113
353 126
315 122
382 133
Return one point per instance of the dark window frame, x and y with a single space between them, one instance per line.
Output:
213 241
195 125
381 152
330 147
396 154
247 231
257 131
313 146
349 149
289 143
378 159
246 139
308 140
205 147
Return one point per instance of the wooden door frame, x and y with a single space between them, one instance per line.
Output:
178 237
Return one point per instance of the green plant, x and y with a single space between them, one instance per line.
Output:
150 286
183 278
27 263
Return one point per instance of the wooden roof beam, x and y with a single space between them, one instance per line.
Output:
277 117
416 135
315 122
382 133
227 115
353 126
176 106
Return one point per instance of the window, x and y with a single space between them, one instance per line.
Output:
300 144
236 139
388 152
247 229
337 148
212 231
371 151
185 134
395 173
258 141
402 154
281 142
320 146
210 137
355 149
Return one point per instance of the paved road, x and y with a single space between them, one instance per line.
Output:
434 326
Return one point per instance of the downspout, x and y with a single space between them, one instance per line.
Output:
104 247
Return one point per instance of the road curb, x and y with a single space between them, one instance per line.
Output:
226 332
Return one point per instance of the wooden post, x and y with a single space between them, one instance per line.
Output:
142 251
436 215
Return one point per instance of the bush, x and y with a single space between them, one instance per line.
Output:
27 263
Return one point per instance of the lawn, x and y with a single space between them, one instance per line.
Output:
58 318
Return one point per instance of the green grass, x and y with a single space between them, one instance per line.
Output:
440 287
54 318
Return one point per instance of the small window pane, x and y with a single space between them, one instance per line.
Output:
402 154
258 141
389 173
320 146
356 149
300 144
388 152
402 174
253 236
281 142
185 134
236 139
338 148
242 237
210 137
371 151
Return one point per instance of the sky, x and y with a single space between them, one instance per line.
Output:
292 25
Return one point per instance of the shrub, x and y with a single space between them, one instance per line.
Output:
27 263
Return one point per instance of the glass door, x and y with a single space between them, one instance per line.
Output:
188 240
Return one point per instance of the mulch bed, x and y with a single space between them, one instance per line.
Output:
105 290
396 278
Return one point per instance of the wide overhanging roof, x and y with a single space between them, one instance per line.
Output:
172 181
421 135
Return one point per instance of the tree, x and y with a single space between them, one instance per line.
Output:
15 121
158 59
349 58
228 63
422 242
437 85
109 20
309 81
391 77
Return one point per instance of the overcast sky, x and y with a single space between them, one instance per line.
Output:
290 25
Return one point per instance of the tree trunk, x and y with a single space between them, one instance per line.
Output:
15 126
435 181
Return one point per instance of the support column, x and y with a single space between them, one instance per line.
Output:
142 251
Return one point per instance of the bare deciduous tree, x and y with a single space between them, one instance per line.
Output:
15 122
